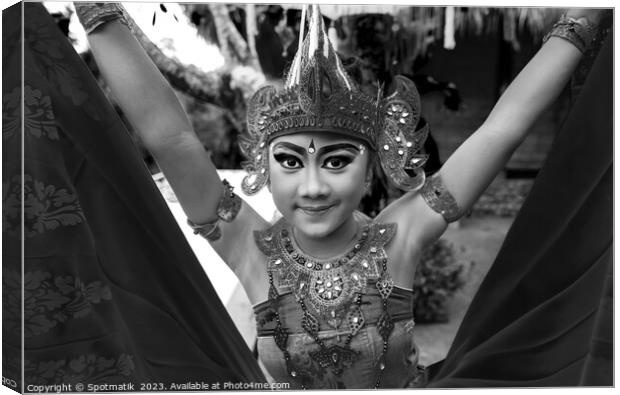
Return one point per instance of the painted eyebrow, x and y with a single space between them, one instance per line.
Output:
293 147
322 151
335 147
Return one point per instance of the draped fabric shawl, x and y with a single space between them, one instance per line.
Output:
112 290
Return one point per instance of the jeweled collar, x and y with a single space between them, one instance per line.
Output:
329 285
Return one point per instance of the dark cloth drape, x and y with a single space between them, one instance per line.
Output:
112 291
533 317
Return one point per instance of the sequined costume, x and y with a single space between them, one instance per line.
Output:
335 323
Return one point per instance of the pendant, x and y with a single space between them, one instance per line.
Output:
385 325
310 324
280 336
355 319
385 286
336 357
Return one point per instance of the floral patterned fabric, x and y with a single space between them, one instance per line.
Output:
111 290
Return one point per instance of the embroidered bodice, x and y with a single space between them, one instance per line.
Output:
328 285
327 318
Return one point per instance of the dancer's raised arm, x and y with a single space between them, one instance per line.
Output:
472 167
154 111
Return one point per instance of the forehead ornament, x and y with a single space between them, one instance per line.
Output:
311 148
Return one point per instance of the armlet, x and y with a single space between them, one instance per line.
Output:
437 196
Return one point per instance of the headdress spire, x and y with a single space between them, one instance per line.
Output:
316 43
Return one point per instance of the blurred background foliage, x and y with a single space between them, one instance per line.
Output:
438 276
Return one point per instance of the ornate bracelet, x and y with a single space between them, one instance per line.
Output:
93 15
437 196
227 210
210 231
575 31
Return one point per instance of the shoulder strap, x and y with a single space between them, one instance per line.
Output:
266 239
381 234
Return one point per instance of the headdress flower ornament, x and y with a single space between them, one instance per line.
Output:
319 96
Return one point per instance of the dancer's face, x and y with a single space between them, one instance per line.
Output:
317 180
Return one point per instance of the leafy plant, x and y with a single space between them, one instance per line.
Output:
437 278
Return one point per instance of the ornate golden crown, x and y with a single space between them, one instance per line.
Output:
319 96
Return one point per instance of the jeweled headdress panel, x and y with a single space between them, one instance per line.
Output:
319 96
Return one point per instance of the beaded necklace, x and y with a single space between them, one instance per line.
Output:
329 289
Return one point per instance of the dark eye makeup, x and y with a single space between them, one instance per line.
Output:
337 162
288 161
334 157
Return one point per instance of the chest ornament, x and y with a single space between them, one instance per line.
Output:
328 286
